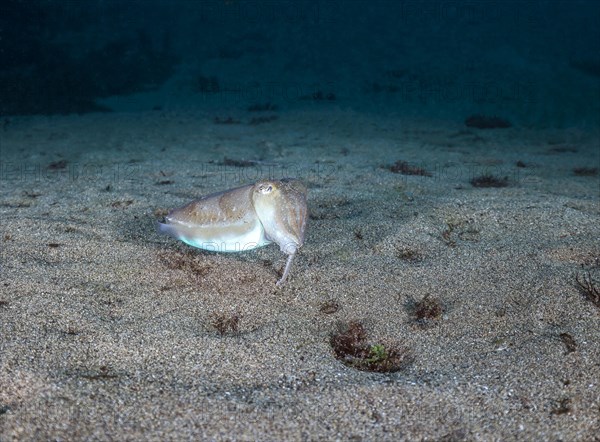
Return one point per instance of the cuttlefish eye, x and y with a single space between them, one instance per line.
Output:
265 188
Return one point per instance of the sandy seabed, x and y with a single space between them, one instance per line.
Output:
109 331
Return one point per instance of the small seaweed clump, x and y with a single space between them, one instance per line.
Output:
589 287
261 120
569 342
237 163
224 323
428 308
409 255
186 261
406 169
329 307
585 171
425 313
350 347
489 181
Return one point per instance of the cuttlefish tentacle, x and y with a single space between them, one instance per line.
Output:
286 272
244 218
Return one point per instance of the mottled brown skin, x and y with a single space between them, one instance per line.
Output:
230 206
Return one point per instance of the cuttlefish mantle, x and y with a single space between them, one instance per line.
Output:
244 218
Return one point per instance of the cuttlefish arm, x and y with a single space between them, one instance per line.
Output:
286 272
244 218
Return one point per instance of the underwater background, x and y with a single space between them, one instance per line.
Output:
535 63
448 284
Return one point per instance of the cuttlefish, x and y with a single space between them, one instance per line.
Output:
244 218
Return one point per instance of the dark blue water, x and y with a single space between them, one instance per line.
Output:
536 63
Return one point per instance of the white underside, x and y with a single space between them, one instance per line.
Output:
224 242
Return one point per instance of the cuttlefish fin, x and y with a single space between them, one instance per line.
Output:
286 272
